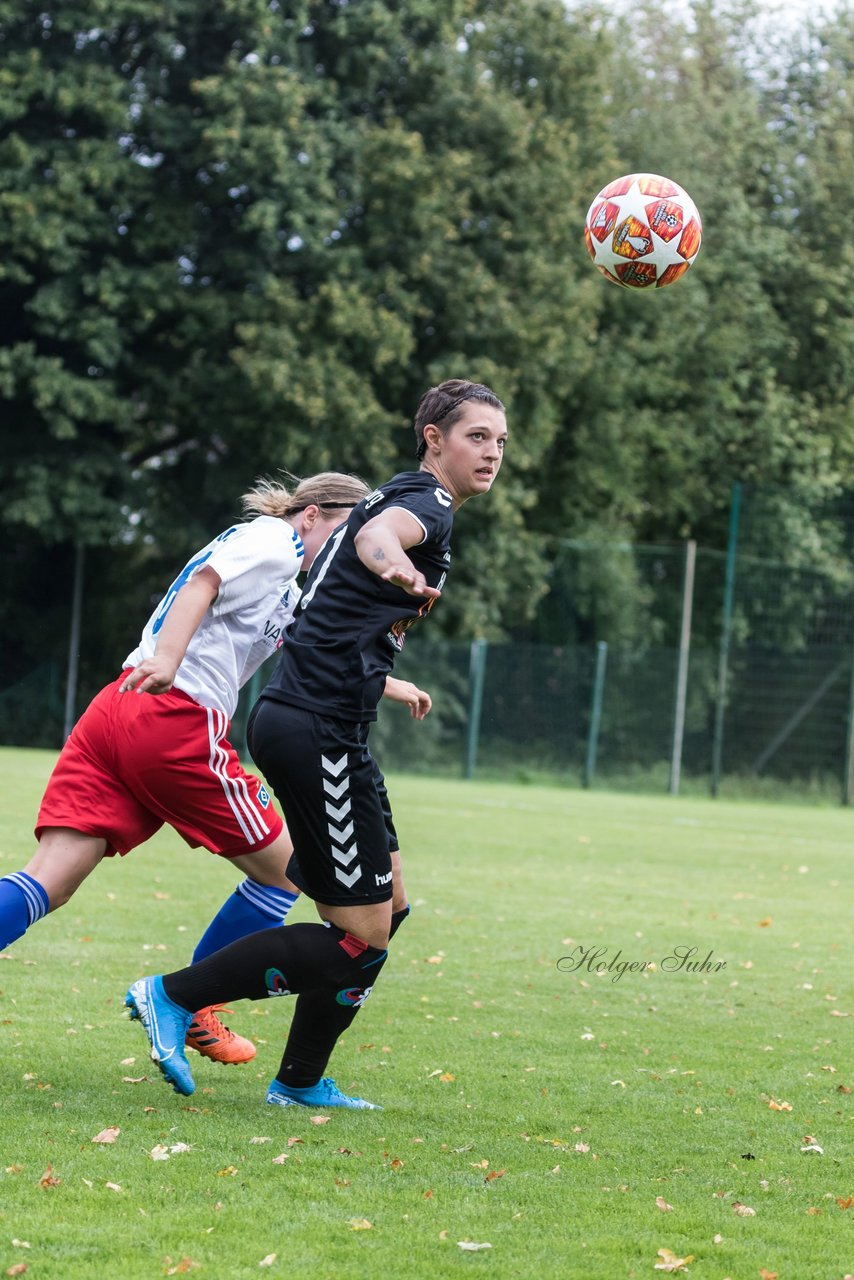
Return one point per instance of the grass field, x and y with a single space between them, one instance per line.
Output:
577 1122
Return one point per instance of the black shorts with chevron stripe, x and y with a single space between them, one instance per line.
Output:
334 800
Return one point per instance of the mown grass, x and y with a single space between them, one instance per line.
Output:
539 1109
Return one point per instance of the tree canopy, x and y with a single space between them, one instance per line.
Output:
245 235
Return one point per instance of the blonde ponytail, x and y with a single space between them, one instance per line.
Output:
329 490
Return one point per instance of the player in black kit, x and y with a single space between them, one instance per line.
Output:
380 571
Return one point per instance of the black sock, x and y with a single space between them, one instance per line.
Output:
288 959
320 1018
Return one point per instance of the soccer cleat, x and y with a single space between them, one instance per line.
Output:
323 1094
166 1025
214 1040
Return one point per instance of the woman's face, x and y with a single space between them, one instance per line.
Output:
467 458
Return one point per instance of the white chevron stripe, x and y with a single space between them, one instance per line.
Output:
338 814
336 792
350 880
334 766
345 856
340 834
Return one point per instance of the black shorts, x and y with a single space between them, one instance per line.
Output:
334 798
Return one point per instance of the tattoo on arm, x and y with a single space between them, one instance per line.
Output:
379 554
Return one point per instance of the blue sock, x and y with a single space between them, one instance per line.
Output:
23 901
251 907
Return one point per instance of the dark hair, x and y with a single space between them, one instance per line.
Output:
440 405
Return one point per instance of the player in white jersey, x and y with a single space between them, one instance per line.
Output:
134 763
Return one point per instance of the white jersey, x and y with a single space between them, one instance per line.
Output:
257 564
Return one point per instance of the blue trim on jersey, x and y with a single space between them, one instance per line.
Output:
184 576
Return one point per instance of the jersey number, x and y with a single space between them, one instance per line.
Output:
334 544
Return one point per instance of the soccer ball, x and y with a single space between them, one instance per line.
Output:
643 231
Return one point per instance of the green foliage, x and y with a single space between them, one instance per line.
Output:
236 236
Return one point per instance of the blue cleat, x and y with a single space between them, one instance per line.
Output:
323 1094
166 1025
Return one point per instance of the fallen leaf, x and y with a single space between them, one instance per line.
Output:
446 1077
21 1244
159 1152
133 1079
396 1163
359 1224
14 1168
292 1142
814 1147
48 1179
663 1205
767 1275
268 1261
319 1119
17 1269
481 1164
843 1204
112 1186
471 1247
813 1212
743 1210
763 924
428 1195
256 1141
229 1171
180 1268
493 1174
178 1148
281 1159
670 1262
779 1106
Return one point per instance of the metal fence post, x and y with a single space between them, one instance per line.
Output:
477 674
682 666
74 641
726 636
848 777
249 698
595 714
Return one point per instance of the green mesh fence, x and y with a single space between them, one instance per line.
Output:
611 685
31 710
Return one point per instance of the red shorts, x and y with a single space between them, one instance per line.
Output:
138 760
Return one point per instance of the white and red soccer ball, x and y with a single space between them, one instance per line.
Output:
643 231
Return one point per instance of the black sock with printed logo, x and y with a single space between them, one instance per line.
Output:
320 1018
273 962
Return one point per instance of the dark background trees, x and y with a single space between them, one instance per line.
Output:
244 235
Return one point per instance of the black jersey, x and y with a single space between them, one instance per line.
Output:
350 625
